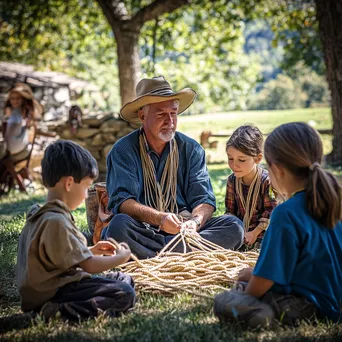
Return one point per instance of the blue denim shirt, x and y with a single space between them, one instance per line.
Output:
125 174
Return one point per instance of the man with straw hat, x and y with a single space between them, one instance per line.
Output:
157 179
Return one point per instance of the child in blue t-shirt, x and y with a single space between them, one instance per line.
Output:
299 271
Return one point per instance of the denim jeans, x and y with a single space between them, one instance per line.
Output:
226 231
112 293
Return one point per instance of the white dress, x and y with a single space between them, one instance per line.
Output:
17 135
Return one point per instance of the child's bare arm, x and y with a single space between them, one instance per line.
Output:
104 248
258 286
98 264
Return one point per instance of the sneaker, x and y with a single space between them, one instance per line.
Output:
233 305
49 310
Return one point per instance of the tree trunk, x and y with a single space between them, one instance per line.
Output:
128 61
329 14
126 29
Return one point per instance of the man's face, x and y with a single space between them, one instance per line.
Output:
160 121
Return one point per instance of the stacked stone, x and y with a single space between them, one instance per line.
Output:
98 134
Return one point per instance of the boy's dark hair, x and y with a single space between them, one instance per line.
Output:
65 158
247 139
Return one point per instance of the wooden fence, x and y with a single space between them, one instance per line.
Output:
206 142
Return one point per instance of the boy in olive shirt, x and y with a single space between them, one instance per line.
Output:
54 264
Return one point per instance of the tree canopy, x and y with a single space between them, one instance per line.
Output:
203 45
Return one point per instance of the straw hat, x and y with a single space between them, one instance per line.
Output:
155 90
25 91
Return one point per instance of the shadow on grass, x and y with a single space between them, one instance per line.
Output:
170 325
194 323
15 322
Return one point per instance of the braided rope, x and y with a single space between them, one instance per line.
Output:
250 204
161 196
207 268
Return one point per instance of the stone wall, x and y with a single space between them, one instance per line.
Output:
54 90
98 134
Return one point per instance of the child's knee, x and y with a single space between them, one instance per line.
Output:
128 294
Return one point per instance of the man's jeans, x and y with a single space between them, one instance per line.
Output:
145 241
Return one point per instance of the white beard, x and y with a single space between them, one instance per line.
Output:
166 136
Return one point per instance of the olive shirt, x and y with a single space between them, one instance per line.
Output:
50 248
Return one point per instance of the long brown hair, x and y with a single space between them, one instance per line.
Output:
298 147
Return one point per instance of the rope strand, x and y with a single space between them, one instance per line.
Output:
208 267
249 205
160 195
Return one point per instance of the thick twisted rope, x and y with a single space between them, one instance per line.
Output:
207 268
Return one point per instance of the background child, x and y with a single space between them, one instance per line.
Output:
248 187
54 262
21 110
298 274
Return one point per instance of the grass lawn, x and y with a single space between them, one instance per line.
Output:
222 123
193 125
156 318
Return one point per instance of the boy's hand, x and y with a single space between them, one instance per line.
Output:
124 252
250 237
245 274
103 248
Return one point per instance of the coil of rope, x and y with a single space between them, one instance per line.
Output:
207 268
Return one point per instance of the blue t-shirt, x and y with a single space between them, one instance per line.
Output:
303 257
125 174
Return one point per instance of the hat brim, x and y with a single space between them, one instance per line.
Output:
129 112
23 92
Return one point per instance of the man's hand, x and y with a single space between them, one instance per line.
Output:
170 223
245 274
190 225
103 248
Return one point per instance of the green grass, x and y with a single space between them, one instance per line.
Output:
193 125
223 123
155 318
